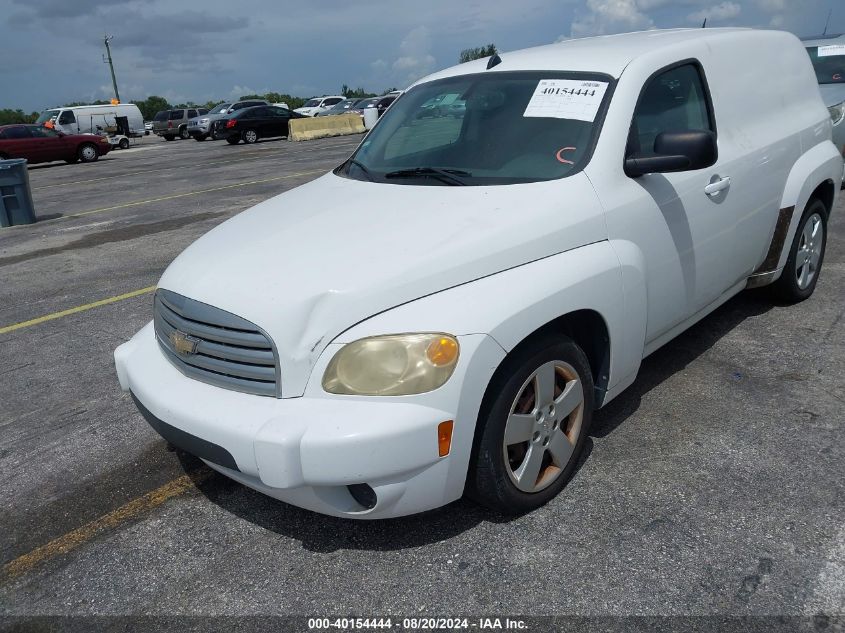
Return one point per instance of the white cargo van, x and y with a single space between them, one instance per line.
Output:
445 310
94 119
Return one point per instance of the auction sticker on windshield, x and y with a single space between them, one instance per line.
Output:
566 99
832 50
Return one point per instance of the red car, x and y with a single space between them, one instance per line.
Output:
38 144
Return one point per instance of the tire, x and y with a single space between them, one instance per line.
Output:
71 161
183 133
3 157
233 140
806 255
169 137
249 136
124 143
88 153
500 474
200 137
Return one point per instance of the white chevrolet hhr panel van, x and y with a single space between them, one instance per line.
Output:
443 312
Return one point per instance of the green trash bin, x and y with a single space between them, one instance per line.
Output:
15 196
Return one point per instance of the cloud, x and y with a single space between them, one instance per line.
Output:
413 61
719 12
610 16
771 6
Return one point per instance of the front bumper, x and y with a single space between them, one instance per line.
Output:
202 128
307 450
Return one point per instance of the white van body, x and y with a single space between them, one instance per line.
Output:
600 259
94 119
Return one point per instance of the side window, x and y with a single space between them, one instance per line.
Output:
674 101
175 115
192 114
331 102
238 106
17 132
67 117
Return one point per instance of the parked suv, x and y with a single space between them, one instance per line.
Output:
202 127
171 124
444 311
828 56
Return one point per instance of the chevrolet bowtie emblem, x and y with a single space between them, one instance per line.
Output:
183 343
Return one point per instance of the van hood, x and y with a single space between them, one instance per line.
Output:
309 264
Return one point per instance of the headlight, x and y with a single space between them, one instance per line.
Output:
203 120
393 365
837 113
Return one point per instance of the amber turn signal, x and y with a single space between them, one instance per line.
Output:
444 437
442 351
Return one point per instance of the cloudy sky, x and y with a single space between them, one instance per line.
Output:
219 49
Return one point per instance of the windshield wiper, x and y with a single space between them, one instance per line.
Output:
452 176
360 166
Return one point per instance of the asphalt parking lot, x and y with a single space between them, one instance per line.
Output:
714 486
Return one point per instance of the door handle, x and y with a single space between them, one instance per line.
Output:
715 187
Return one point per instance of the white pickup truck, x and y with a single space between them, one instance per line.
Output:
443 312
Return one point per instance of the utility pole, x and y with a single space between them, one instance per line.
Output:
107 39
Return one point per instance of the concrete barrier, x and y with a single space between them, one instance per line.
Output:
324 126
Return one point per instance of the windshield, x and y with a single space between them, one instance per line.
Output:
220 109
366 103
343 105
511 127
829 63
46 116
312 103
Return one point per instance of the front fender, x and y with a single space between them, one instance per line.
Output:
511 305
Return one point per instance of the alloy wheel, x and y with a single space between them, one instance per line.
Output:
809 251
543 426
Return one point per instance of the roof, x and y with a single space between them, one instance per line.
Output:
608 54
822 40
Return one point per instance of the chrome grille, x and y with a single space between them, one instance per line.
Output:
219 348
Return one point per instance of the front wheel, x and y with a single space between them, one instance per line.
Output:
87 153
200 137
801 272
533 430
124 143
233 140
249 136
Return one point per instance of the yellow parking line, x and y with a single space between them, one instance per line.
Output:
182 195
69 311
81 535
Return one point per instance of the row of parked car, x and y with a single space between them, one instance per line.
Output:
251 119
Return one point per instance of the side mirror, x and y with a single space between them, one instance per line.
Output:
675 151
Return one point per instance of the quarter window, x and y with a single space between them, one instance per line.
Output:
67 117
674 101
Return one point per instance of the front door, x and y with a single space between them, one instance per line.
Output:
683 223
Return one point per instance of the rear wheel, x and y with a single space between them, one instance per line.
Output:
169 137
183 133
233 140
87 153
124 143
533 430
798 279
200 137
249 136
